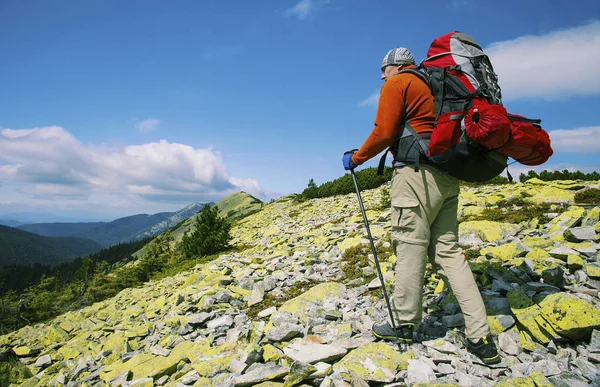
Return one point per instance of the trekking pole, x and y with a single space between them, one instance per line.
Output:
385 295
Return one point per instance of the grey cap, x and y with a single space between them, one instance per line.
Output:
398 56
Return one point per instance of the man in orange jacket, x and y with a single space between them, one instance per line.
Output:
424 209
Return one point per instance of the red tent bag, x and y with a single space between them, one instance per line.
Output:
529 144
488 125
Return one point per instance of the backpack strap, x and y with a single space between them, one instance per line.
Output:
404 124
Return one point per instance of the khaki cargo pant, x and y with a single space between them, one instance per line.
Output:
424 223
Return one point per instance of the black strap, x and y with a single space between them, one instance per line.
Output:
381 166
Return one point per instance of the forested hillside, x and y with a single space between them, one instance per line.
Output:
20 247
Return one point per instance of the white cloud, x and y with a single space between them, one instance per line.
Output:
371 100
581 140
148 125
557 64
305 8
50 163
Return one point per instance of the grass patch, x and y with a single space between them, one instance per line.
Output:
277 300
588 196
356 258
516 210
471 254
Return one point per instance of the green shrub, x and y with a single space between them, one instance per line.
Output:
210 234
366 179
588 196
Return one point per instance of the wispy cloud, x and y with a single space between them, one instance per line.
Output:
371 100
558 64
305 8
148 125
49 163
580 140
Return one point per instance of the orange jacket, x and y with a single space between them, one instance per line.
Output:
397 93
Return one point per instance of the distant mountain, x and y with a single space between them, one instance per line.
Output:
20 247
10 222
125 229
60 229
122 229
171 221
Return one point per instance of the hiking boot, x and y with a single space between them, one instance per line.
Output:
484 349
386 332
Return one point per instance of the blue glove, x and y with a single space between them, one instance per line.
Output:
347 160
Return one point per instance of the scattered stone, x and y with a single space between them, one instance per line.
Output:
509 342
223 321
420 372
562 252
263 372
306 352
580 234
284 332
456 320
267 312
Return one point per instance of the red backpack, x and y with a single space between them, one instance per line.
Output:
473 135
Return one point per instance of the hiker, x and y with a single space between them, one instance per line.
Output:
424 209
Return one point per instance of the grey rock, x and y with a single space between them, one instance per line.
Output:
441 345
257 294
200 318
445 369
501 286
568 379
267 312
162 380
160 351
455 320
419 372
562 252
262 373
552 347
546 367
139 382
594 358
588 369
580 234
191 377
298 372
509 342
595 341
554 276
498 305
322 370
306 352
284 332
246 283
270 283
357 381
542 287
223 321
43 361
223 297
589 253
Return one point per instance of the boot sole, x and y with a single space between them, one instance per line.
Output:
393 338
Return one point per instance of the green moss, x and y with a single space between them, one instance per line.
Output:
590 195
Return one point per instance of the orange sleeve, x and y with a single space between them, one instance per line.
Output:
390 112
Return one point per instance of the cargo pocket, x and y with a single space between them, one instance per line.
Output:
404 214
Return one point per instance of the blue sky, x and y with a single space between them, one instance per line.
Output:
112 108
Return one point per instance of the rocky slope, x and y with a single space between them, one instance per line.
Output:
289 311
